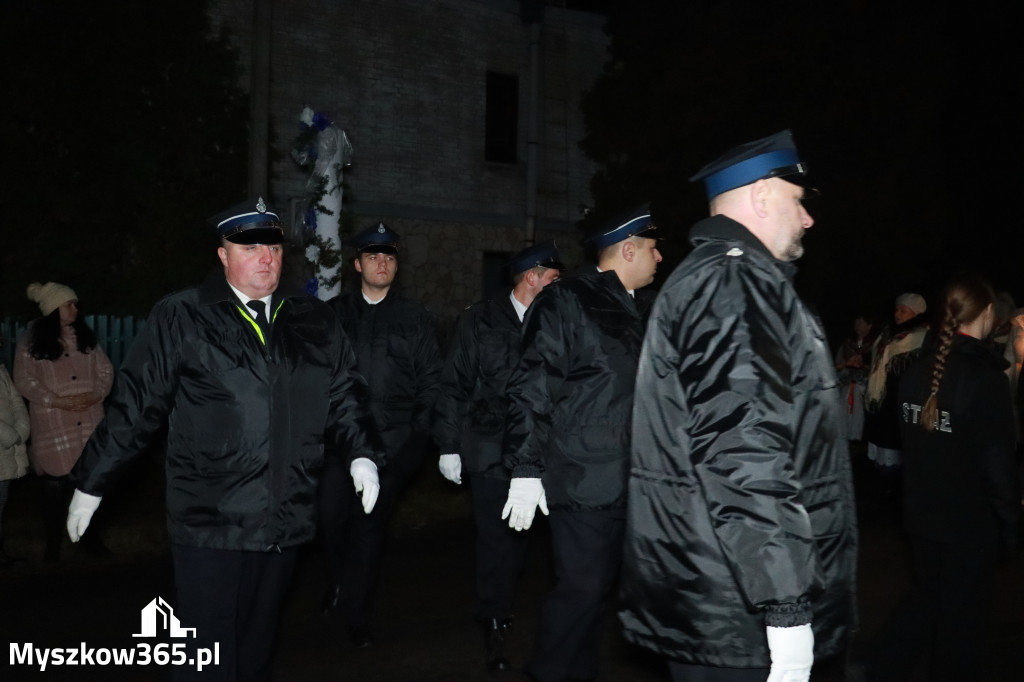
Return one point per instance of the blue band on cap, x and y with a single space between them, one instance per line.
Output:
746 172
266 219
622 232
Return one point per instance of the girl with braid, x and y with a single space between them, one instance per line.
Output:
961 498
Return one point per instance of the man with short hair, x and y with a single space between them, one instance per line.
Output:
741 538
567 444
396 351
469 427
252 378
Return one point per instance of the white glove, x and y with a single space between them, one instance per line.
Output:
364 475
524 496
792 651
451 468
80 511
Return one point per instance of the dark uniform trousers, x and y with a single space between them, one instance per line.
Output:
683 672
945 611
353 539
587 552
233 600
500 550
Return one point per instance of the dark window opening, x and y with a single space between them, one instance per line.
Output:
495 273
502 125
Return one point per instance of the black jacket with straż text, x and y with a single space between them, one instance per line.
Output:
960 481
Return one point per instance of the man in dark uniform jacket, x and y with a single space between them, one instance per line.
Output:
396 351
567 443
252 380
470 425
741 536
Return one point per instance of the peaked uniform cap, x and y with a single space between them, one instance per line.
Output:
376 239
774 156
539 255
634 223
250 222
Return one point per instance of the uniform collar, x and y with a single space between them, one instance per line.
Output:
215 289
723 228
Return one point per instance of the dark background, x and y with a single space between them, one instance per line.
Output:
122 125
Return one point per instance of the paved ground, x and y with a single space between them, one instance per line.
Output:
423 622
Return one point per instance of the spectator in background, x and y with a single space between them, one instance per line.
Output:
961 500
898 345
852 362
65 375
14 430
1005 310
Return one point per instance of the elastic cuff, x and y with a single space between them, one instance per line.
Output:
787 615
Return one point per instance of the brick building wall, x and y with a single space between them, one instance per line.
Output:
406 80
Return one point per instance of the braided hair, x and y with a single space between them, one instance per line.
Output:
965 297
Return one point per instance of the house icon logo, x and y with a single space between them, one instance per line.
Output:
157 616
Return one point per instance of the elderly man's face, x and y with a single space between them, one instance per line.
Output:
791 219
253 269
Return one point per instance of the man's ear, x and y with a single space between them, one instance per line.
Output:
530 277
628 250
222 253
359 266
760 192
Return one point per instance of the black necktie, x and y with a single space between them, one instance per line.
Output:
258 308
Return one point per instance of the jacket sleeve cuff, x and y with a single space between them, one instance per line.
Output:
787 615
527 471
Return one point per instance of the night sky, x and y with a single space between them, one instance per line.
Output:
906 114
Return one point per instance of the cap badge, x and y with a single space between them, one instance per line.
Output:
261 206
381 228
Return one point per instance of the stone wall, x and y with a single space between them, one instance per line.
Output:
406 79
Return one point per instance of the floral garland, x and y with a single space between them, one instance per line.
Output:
323 253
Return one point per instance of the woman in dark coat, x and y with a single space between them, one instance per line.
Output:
961 494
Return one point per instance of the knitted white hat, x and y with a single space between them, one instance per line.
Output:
50 296
913 301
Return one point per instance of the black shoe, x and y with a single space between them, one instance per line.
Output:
360 637
494 644
6 560
95 546
331 598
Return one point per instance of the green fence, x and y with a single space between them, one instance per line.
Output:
114 335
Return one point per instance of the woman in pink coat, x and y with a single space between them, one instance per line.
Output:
64 375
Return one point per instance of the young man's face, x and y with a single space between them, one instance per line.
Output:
646 261
378 270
